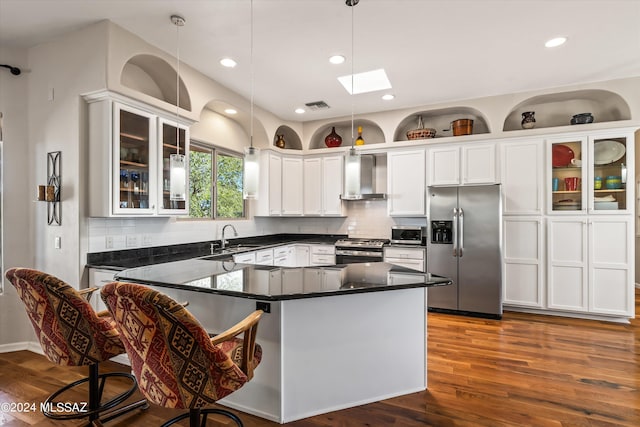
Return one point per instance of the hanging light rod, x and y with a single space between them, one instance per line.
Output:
14 70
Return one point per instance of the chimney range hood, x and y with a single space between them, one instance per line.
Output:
367 181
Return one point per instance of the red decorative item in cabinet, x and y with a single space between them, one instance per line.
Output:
333 139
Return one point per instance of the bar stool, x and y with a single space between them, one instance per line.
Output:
71 333
178 365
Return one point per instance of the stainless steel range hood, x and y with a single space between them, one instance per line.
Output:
367 180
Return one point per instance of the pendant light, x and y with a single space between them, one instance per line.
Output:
352 160
177 161
251 172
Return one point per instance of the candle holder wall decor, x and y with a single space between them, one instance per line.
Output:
50 193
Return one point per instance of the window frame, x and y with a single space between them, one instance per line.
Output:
215 151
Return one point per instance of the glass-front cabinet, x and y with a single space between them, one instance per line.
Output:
134 154
172 140
588 174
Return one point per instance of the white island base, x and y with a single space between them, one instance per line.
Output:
325 353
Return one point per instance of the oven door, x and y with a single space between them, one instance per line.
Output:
349 256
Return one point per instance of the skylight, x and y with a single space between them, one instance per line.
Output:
369 81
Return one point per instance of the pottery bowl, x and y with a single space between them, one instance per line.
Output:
581 119
421 133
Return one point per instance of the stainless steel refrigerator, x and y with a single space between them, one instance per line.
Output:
464 244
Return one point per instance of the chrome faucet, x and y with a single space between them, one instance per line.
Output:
223 243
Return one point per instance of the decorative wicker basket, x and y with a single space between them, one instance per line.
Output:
421 132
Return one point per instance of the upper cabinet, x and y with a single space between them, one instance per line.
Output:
589 173
521 175
462 164
323 186
129 149
281 185
406 183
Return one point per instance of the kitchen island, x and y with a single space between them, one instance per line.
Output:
332 337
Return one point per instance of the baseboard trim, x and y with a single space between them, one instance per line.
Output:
35 347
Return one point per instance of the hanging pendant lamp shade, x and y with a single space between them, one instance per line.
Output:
177 161
251 164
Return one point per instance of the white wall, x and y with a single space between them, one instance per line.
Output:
18 208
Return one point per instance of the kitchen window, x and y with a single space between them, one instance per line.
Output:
215 181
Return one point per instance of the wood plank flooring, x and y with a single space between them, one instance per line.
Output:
526 370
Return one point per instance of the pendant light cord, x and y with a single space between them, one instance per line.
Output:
251 74
352 68
178 22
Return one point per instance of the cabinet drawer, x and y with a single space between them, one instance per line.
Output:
405 253
249 258
413 264
322 259
323 249
282 251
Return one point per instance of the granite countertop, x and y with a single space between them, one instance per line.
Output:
131 258
255 281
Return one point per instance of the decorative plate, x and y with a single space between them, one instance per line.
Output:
607 151
561 155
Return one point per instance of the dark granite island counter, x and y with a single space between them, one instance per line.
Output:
334 337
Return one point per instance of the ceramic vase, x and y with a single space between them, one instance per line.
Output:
280 143
333 139
528 120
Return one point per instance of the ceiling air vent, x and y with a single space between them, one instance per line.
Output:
317 105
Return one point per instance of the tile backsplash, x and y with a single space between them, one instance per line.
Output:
364 219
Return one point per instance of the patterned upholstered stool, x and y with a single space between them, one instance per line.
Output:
176 362
71 333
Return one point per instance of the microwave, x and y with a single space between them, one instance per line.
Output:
408 235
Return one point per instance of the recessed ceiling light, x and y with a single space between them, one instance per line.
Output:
337 59
369 81
388 96
230 111
300 110
228 62
555 42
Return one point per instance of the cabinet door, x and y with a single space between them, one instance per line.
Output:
444 166
611 174
611 289
479 164
312 280
264 257
302 255
521 175
522 265
275 184
292 186
567 264
312 186
97 279
567 182
332 171
292 281
134 168
167 137
406 183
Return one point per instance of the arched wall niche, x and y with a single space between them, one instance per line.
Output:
440 119
228 130
372 133
291 138
557 109
155 77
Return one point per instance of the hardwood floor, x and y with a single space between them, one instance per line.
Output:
526 370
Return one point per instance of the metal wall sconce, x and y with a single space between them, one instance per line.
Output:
50 193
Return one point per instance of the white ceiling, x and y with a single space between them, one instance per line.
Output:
433 50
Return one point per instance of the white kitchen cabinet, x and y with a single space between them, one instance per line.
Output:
245 258
521 175
522 268
292 281
322 279
302 254
413 258
322 255
292 186
406 183
467 164
323 186
590 265
97 279
128 154
601 166
567 264
284 256
610 255
264 257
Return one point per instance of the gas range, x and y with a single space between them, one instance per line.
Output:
361 243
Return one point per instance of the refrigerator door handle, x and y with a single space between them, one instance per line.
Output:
454 237
461 231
